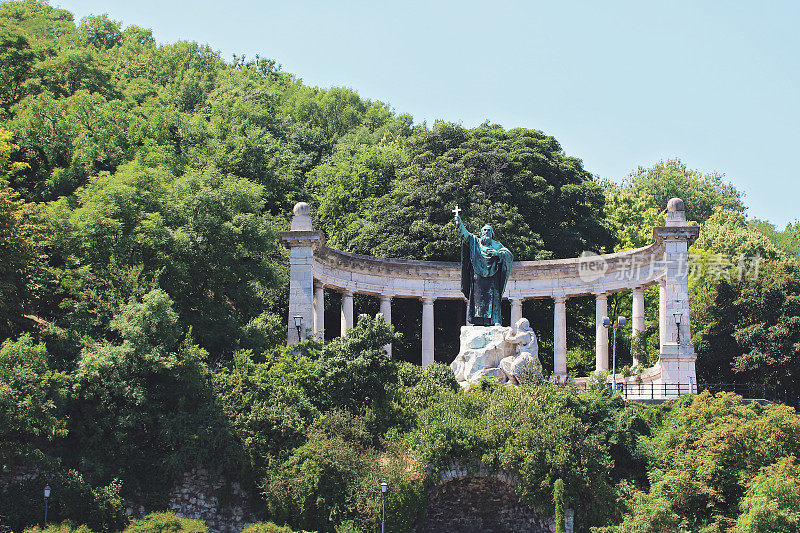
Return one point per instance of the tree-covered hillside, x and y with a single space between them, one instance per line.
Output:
143 296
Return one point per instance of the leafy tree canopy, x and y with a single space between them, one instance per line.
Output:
701 192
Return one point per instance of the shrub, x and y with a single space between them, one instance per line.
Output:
270 527
63 527
166 523
353 370
316 487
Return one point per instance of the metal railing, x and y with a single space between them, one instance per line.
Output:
649 390
755 391
662 391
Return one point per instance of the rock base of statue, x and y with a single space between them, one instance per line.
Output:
485 352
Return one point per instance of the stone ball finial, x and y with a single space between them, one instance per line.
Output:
675 204
301 221
301 209
676 214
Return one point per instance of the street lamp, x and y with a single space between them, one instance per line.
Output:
298 323
46 497
384 488
677 317
607 323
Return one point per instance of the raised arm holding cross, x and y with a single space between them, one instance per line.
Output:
456 211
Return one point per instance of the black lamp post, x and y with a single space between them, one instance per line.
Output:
677 317
384 488
46 498
607 323
298 323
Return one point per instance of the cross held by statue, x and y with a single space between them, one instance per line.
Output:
456 211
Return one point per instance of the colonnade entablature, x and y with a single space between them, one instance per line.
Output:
315 267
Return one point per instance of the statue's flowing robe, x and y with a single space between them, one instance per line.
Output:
483 278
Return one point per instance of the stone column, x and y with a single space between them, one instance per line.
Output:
301 240
427 331
319 310
662 311
516 310
601 332
677 357
347 312
560 336
386 311
637 318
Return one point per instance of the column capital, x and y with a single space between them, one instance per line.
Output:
385 296
427 300
676 233
346 292
662 281
602 294
560 298
293 239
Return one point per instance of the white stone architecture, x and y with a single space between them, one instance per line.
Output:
316 268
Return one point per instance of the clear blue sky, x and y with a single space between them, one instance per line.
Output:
619 84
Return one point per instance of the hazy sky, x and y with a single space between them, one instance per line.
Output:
619 84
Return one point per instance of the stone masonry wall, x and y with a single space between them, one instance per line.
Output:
204 495
479 505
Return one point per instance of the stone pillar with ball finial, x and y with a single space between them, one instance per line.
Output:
301 240
677 357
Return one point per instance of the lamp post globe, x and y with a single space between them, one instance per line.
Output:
298 323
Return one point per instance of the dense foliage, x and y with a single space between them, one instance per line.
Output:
143 296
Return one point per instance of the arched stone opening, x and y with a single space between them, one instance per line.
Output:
479 505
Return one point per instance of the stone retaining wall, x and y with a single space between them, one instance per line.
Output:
470 497
206 495
480 505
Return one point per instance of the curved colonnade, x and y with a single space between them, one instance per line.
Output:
315 267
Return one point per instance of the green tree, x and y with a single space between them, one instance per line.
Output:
701 193
772 501
20 243
143 410
649 513
750 331
32 400
541 202
16 61
632 217
100 32
201 237
726 232
712 446
787 240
